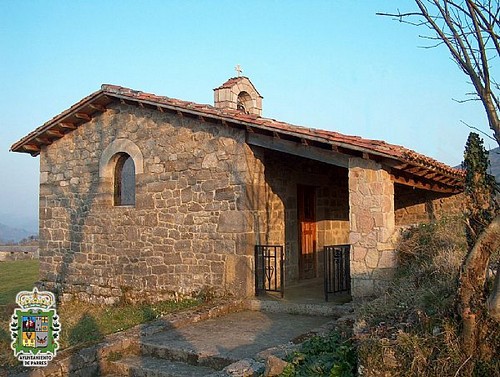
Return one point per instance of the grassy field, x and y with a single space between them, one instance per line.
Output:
81 323
16 276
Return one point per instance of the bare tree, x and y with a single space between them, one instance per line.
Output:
470 29
471 32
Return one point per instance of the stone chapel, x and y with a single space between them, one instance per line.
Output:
144 197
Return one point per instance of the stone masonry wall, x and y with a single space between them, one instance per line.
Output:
414 206
191 228
371 201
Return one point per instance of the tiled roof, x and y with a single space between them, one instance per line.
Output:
402 158
235 80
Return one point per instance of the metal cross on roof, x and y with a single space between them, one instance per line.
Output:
238 69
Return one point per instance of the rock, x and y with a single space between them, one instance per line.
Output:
244 368
274 366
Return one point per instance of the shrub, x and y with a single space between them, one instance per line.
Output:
323 356
412 329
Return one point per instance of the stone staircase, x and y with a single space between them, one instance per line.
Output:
226 338
234 344
146 366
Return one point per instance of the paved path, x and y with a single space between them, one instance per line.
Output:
237 335
218 342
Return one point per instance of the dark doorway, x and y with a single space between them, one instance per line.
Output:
306 208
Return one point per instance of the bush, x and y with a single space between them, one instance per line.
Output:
323 356
412 329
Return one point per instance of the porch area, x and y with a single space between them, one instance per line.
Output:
321 295
306 298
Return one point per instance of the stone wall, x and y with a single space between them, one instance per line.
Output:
372 224
204 198
17 252
191 229
414 206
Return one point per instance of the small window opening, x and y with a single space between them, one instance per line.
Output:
244 102
124 185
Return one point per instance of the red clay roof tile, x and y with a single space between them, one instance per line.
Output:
379 147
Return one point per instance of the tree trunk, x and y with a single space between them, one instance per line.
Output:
494 299
471 285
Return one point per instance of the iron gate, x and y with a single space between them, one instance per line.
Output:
269 275
337 271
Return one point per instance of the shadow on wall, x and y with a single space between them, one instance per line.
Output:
68 198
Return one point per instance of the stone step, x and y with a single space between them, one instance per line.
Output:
145 366
218 342
176 353
332 310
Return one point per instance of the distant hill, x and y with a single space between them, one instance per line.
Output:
11 235
495 163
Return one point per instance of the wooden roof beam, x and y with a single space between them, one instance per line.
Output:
31 148
67 125
83 116
297 149
430 175
398 166
54 133
98 107
43 140
417 170
424 185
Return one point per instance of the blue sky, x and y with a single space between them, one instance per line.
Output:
333 65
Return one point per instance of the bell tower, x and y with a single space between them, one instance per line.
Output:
238 93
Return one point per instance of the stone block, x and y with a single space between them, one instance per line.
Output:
235 222
388 259
364 223
358 253
244 368
372 258
210 161
362 287
360 269
225 193
274 366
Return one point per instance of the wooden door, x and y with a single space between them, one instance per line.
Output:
306 204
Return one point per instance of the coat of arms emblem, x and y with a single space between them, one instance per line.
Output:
35 328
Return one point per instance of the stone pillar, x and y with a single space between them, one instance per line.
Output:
372 227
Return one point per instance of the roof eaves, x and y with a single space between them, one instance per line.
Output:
377 148
55 120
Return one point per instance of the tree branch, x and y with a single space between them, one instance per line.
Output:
478 130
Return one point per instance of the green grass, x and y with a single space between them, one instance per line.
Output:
16 276
331 356
82 323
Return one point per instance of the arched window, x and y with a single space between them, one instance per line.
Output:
124 181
